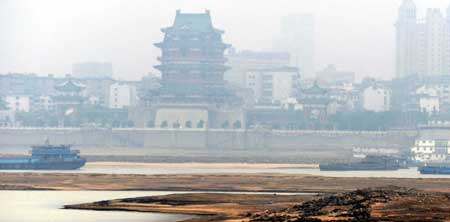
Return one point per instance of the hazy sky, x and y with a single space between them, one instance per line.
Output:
47 36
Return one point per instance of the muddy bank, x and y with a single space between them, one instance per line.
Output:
209 182
371 204
204 206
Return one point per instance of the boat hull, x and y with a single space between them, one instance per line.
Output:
356 167
57 165
434 170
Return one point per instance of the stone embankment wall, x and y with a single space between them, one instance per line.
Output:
193 139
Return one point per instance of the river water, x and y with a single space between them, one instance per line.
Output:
205 168
45 206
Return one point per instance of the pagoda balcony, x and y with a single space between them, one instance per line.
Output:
201 59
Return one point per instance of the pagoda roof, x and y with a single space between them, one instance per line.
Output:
70 86
196 22
315 89
198 66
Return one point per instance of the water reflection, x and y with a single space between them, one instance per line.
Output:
45 206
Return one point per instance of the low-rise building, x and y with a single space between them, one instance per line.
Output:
69 96
122 95
347 97
429 104
18 103
430 150
376 98
272 85
243 61
42 103
316 102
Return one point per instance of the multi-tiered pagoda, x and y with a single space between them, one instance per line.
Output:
193 92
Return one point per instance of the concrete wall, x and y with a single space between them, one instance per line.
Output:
209 139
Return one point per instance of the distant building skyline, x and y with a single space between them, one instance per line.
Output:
297 36
423 44
92 70
355 35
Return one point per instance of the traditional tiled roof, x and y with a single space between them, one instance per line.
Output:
196 22
315 89
70 86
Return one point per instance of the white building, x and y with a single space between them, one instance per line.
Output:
423 45
42 103
272 85
426 150
429 104
242 61
347 97
121 95
431 97
18 103
298 38
376 98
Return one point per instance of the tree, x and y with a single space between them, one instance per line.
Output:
176 125
237 124
225 124
201 124
3 105
150 124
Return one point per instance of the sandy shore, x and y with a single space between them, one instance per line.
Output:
205 206
207 165
208 182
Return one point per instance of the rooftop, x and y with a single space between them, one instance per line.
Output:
197 22
69 86
315 89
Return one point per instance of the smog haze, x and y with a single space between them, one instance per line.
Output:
48 36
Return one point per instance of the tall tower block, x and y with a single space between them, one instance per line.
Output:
406 40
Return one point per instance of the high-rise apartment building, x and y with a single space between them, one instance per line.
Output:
423 44
297 38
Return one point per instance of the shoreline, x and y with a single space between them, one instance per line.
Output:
389 203
219 182
201 206
209 165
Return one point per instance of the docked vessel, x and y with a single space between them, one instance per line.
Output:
368 163
46 157
434 169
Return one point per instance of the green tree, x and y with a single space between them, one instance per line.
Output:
201 124
3 105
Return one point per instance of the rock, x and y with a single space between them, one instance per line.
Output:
359 205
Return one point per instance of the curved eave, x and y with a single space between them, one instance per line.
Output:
163 67
219 31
